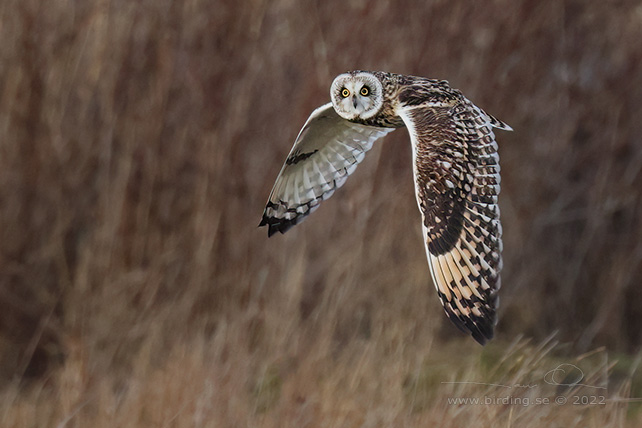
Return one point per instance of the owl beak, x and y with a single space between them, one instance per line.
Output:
354 102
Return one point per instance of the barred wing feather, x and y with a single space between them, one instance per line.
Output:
457 182
326 151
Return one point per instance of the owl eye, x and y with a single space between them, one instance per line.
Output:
364 91
345 93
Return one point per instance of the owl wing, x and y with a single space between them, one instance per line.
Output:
456 171
325 152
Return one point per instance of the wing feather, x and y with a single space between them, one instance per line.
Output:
456 170
326 151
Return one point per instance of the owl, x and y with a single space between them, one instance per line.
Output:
455 170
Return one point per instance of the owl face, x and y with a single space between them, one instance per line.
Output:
356 96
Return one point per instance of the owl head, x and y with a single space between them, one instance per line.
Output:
356 95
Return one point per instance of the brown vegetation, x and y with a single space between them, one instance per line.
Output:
139 142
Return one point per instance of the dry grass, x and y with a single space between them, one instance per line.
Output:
197 385
138 144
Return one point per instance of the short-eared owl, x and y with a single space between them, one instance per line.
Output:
456 172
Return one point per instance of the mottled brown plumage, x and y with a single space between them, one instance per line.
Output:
456 172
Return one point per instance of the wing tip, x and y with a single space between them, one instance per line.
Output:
480 328
483 337
496 123
277 225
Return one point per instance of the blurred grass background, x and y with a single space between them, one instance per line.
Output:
139 142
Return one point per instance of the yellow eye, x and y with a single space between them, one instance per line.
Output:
345 93
364 91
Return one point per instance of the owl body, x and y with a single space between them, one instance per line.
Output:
455 169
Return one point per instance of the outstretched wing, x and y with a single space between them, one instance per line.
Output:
326 151
456 171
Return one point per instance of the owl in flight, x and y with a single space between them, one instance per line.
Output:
455 168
